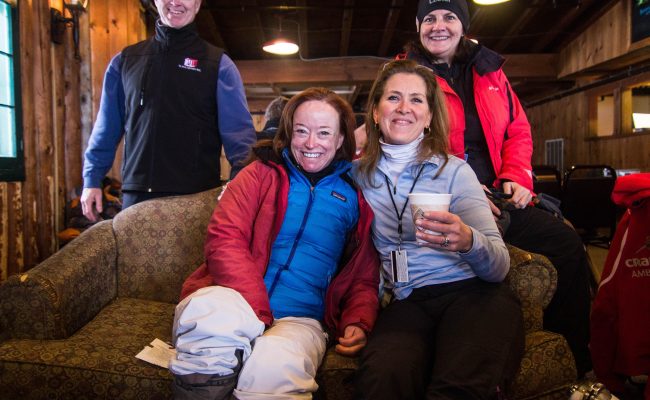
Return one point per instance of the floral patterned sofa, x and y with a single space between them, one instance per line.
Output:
71 326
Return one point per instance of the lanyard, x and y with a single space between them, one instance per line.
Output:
401 214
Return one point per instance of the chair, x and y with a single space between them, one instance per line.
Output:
546 179
587 204
71 326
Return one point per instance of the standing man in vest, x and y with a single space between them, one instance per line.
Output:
176 99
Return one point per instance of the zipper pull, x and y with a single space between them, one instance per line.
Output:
141 97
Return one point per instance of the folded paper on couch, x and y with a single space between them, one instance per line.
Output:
157 353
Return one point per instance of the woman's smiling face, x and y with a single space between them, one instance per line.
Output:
316 135
403 111
440 33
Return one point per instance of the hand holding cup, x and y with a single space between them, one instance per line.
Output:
423 202
450 232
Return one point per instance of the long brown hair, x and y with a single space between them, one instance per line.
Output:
435 135
347 124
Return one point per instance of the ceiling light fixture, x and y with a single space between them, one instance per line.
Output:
489 2
280 46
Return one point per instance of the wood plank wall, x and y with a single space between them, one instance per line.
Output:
606 42
568 119
114 24
606 39
58 94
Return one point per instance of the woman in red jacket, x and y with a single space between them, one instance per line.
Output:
489 129
288 258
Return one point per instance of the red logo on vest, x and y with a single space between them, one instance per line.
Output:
191 62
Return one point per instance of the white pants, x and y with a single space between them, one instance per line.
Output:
213 322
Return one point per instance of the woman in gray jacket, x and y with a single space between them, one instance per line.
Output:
453 329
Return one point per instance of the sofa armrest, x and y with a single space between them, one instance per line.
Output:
533 279
64 292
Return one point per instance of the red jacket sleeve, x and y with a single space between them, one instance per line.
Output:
353 295
238 233
517 148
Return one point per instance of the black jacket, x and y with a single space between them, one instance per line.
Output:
172 141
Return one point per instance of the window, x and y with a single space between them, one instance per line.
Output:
11 144
641 108
606 115
620 109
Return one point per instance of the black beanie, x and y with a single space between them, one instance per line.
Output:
458 7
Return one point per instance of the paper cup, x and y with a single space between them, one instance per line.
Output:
422 202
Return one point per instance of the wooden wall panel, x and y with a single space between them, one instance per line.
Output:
86 74
4 228
11 229
28 24
72 137
42 75
607 39
55 87
114 25
16 230
568 119
99 51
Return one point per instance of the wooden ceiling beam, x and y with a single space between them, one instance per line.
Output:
557 28
477 21
346 29
303 28
364 69
582 24
389 28
531 66
515 29
309 72
259 27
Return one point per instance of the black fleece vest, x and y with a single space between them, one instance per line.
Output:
172 140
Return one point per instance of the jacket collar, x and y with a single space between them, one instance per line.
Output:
169 36
337 167
482 59
486 60
435 160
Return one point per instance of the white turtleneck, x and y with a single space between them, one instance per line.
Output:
399 156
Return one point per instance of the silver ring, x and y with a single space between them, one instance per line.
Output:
446 242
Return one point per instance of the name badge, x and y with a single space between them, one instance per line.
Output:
399 266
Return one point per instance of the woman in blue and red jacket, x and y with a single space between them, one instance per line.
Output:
288 257
489 129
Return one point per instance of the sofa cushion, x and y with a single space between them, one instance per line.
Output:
160 243
97 362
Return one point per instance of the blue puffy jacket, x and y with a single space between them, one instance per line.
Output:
308 247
